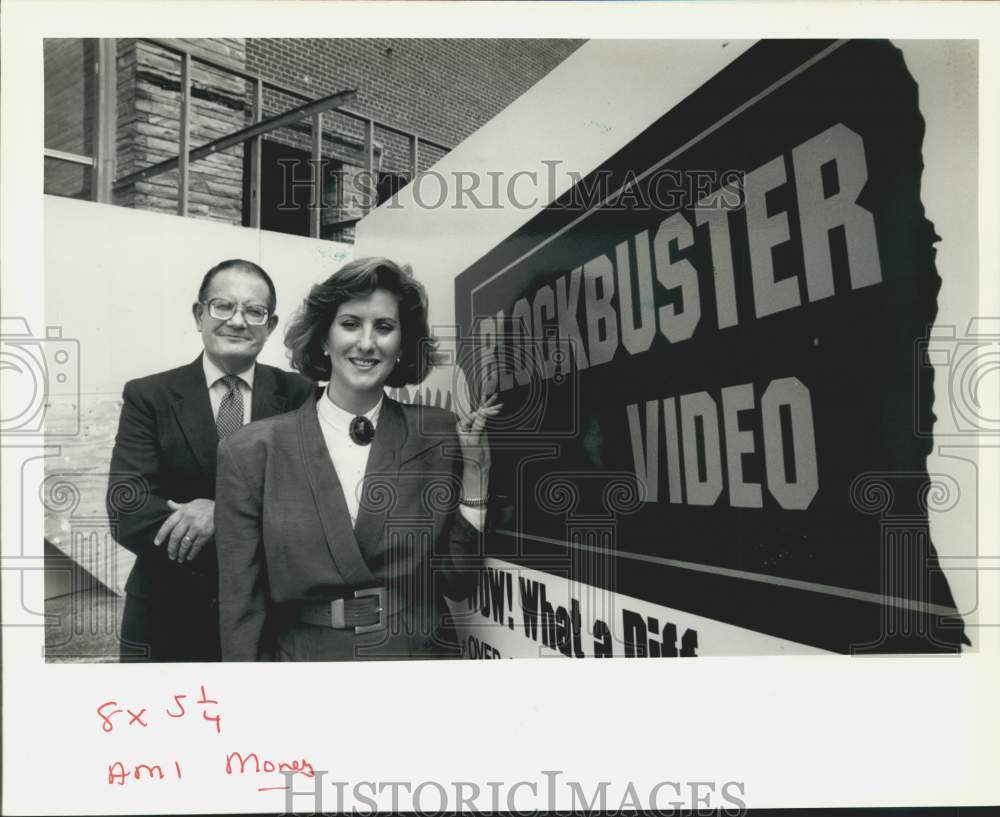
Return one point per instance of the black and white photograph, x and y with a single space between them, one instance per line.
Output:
446 340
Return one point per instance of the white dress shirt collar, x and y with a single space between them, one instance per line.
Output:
213 373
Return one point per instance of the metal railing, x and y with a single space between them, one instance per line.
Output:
102 164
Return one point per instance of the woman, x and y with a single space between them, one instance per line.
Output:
340 525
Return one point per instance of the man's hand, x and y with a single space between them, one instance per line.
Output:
188 529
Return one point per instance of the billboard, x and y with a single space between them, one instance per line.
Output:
709 358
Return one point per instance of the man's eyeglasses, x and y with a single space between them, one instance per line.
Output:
223 310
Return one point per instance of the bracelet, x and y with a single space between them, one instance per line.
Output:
478 502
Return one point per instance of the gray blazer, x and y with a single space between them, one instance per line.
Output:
284 536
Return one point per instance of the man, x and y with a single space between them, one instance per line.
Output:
162 486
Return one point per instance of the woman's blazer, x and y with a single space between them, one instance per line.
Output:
283 532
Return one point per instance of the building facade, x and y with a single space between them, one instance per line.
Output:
414 99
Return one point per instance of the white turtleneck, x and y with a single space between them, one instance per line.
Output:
350 459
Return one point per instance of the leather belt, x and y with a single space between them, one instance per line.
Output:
367 611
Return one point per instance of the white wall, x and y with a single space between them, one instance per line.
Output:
122 282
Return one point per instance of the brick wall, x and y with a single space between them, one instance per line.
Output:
149 127
440 89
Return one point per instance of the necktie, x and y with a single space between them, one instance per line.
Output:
231 408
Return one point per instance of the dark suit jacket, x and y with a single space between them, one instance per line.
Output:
284 531
166 449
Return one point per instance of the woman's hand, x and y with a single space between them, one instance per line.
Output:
475 444
471 429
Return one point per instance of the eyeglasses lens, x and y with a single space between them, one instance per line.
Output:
224 310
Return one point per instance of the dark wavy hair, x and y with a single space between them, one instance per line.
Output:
357 279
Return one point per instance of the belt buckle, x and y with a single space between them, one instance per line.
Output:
360 629
337 614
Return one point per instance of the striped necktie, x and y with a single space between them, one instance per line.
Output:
230 416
